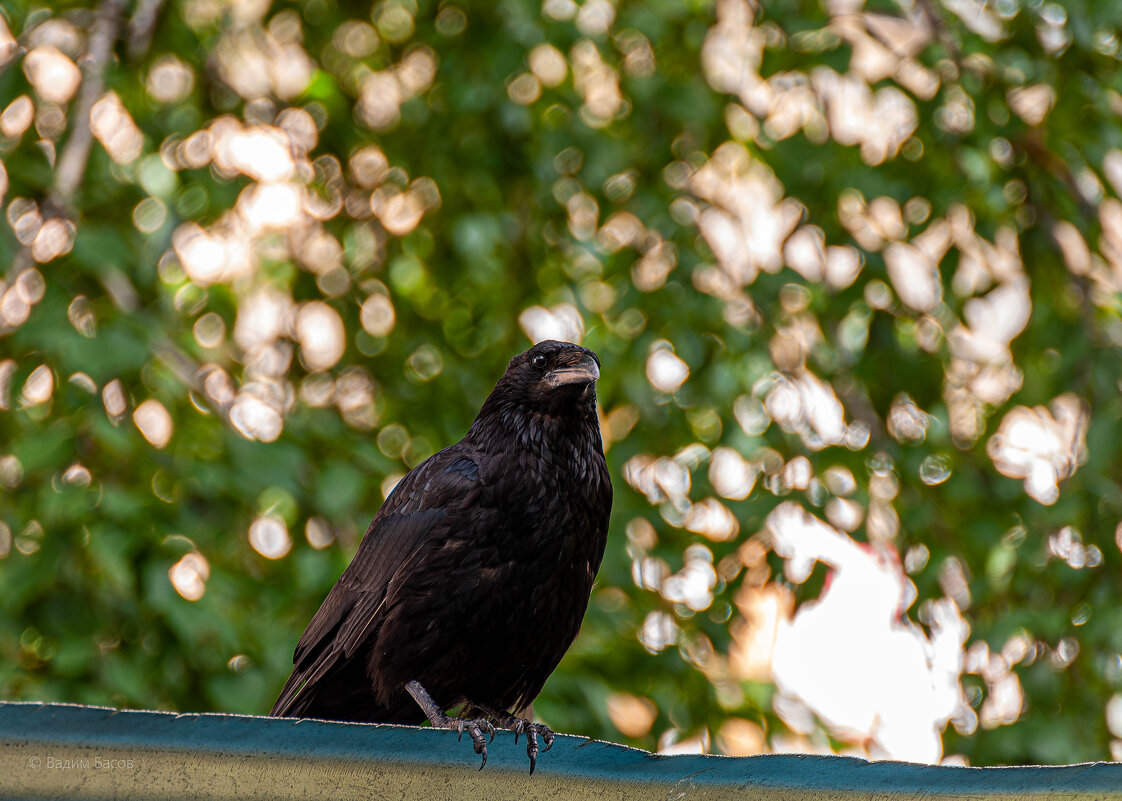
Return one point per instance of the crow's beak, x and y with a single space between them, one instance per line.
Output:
583 372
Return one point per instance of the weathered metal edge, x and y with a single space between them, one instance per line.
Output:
69 751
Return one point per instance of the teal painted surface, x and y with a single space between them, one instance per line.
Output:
77 752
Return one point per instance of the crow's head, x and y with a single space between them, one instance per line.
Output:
556 379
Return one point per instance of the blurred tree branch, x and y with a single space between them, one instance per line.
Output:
142 25
71 165
75 155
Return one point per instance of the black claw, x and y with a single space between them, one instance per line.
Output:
478 744
532 746
476 730
519 726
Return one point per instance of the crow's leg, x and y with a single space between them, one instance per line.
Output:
522 726
475 727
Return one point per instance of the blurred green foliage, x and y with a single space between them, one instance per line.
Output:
530 164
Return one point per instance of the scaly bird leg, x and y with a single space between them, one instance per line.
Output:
523 726
475 727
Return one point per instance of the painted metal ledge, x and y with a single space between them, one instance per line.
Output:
78 752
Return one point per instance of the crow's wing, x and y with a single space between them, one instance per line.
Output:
417 510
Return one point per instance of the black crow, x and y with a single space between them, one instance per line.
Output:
473 578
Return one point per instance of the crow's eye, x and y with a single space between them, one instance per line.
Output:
539 361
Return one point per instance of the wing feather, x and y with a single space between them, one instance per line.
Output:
411 517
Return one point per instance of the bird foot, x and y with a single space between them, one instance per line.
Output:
476 728
522 726
532 731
